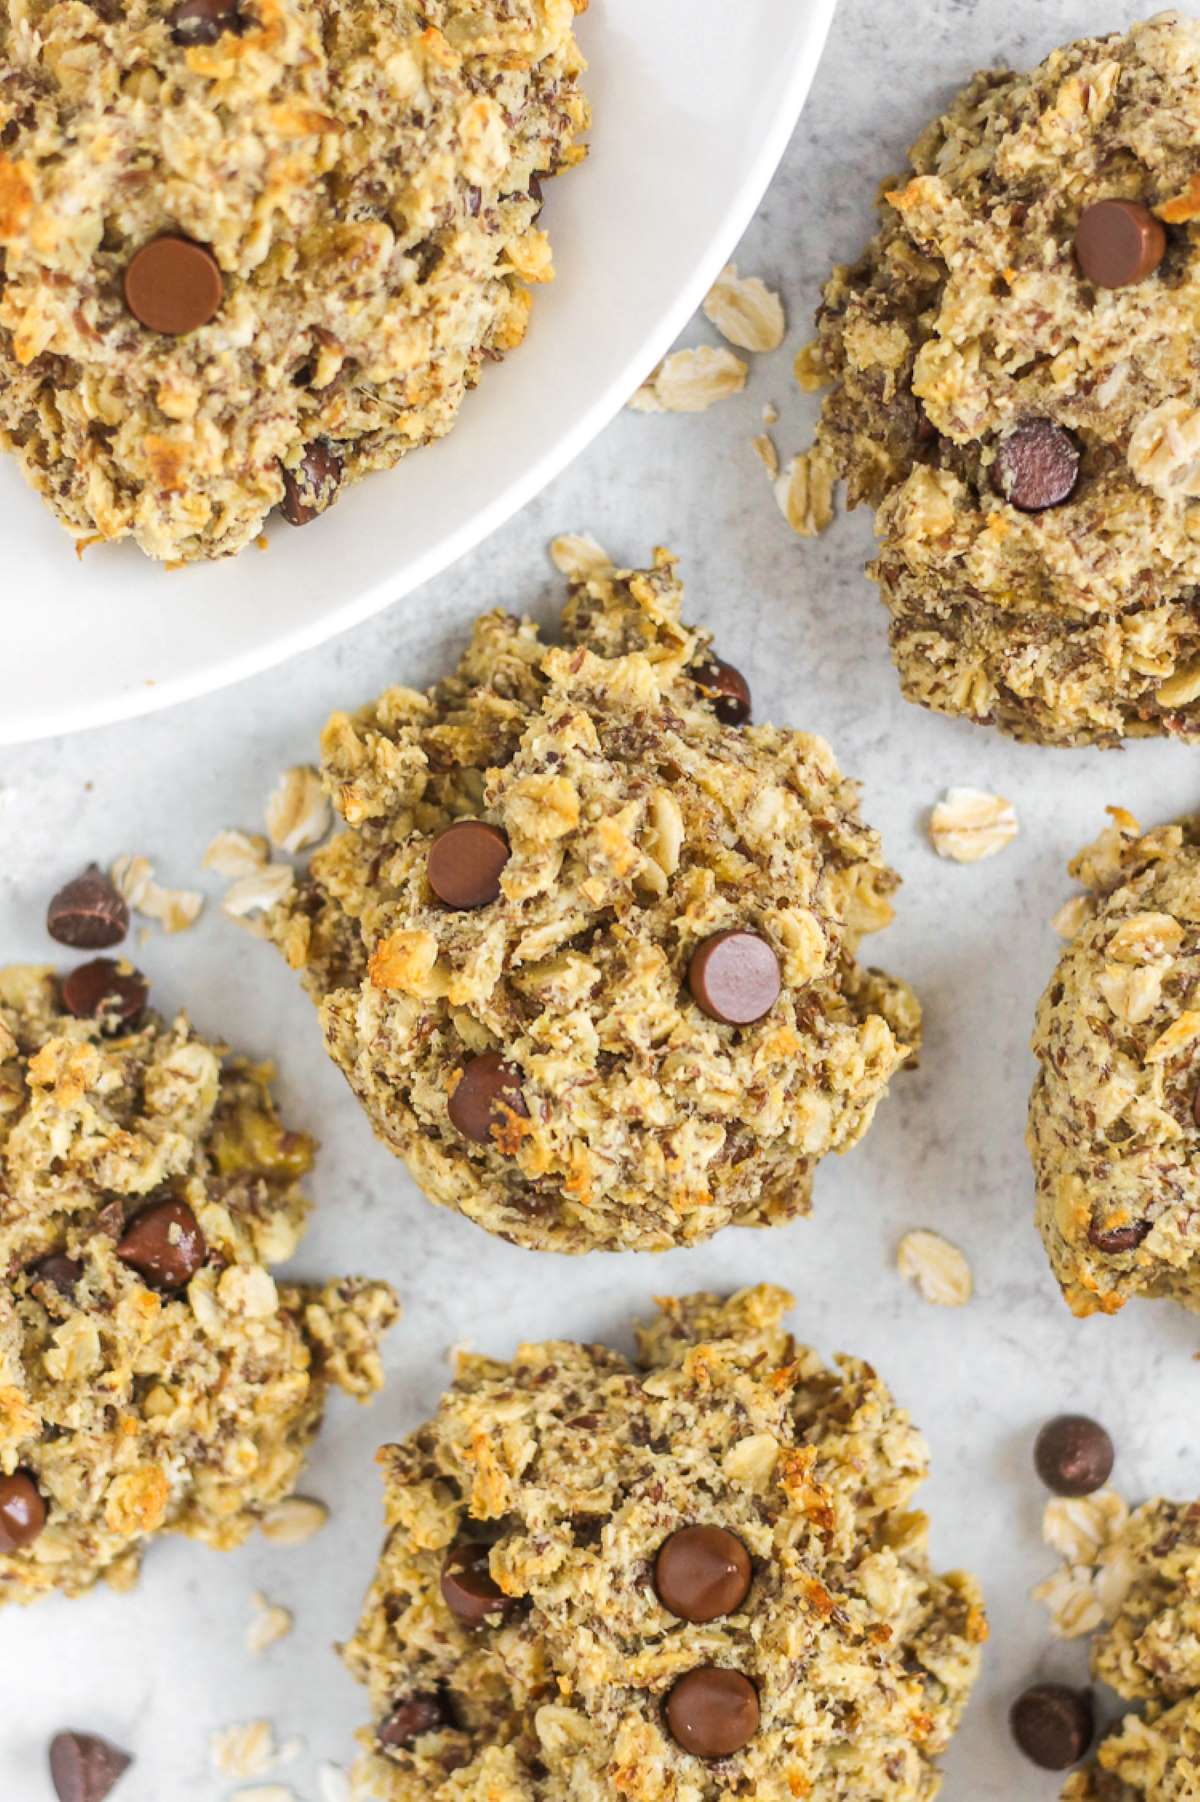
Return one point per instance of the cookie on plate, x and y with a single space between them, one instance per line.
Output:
154 1376
254 249
586 950
696 1573
1014 390
1114 1120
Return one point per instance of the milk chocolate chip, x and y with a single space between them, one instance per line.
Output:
487 1091
702 1573
1037 466
174 286
22 1511
713 1713
164 1245
734 977
1118 242
465 864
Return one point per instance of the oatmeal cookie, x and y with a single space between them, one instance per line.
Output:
694 1574
1114 1121
1016 390
1148 1654
153 1375
253 249
586 950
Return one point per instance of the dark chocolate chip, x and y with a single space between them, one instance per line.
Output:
22 1511
164 1245
174 286
470 1591
1118 1238
60 1270
713 1713
310 488
85 1768
410 1719
1118 242
487 1092
1073 1455
203 21
1037 465
702 1573
734 977
728 689
88 914
1053 1724
536 195
115 994
465 864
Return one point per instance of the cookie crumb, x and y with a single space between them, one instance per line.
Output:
333 1785
969 824
939 1269
690 381
258 892
578 556
269 1625
804 493
245 1750
810 368
745 311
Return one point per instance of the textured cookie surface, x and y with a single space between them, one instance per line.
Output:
366 177
133 1401
1114 1120
969 316
638 827
575 1464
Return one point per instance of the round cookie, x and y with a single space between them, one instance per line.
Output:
153 1375
573 1472
253 250
1030 432
1114 1120
658 1025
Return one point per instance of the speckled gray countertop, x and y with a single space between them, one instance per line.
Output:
160 1669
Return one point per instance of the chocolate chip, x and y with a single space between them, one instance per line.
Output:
535 194
702 1573
88 914
713 1713
1073 1455
410 1719
1196 1105
486 1092
173 285
1118 242
313 485
203 21
112 993
1118 1238
734 977
1037 465
84 1767
729 690
1053 1724
470 1591
22 1511
60 1270
164 1245
465 864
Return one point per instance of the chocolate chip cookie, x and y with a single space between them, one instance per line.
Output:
1014 391
154 1376
586 950
1114 1121
251 250
629 1580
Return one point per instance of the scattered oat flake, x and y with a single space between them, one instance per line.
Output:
804 492
770 414
765 451
1070 1598
298 812
969 824
1079 1527
579 557
266 1792
294 1520
236 853
689 381
1072 915
270 1624
745 311
333 1784
939 1269
246 1750
174 908
259 891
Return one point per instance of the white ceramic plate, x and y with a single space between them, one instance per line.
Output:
694 101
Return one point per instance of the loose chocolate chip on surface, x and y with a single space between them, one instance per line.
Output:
1118 1238
1037 465
102 990
487 1091
88 914
22 1511
702 1573
164 1245
465 864
173 286
410 1719
1118 242
203 21
1053 1724
58 1269
713 1713
730 688
471 1592
734 977
312 486
85 1768
1073 1455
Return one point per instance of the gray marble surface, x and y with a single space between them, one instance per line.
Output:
159 1670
